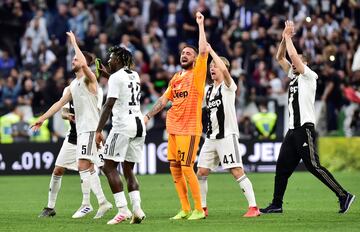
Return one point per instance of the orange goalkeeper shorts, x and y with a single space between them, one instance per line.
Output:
183 148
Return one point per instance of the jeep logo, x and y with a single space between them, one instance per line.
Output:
214 103
293 89
181 94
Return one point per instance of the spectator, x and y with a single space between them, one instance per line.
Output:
113 24
20 130
265 122
141 65
37 32
331 96
6 63
79 21
25 99
28 55
6 122
101 48
10 92
355 123
91 37
172 26
60 25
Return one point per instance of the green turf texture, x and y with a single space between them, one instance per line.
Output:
308 205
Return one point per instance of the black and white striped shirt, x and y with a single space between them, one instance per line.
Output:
301 97
220 108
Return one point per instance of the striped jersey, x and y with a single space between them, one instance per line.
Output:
87 105
220 108
127 119
301 97
186 91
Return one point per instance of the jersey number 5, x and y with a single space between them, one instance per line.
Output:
135 91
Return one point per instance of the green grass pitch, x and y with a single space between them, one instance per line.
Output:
308 205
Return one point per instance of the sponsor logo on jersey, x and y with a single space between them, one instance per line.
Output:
214 104
293 89
180 94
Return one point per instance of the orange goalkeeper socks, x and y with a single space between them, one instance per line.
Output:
194 185
180 185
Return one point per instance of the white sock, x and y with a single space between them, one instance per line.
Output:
247 189
96 187
135 199
85 186
203 189
121 202
54 187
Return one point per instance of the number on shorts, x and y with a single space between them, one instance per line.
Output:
106 148
101 157
226 159
83 149
182 155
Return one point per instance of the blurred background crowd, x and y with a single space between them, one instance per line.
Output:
35 56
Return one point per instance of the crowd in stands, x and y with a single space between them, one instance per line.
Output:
35 56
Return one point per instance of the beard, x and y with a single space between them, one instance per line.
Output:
75 69
187 65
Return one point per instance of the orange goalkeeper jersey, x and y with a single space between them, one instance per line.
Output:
186 92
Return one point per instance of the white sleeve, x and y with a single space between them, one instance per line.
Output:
67 105
309 74
114 87
290 74
356 61
232 86
100 95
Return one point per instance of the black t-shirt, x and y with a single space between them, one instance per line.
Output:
73 134
335 95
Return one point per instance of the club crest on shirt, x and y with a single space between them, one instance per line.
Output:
177 86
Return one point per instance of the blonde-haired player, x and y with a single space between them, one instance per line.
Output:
221 143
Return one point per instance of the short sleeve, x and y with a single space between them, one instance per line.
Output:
114 87
290 74
67 105
168 91
232 86
309 74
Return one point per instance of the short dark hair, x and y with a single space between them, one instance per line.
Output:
90 58
192 47
305 57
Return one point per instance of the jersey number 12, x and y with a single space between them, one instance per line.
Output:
135 93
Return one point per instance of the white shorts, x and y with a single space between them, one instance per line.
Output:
86 149
120 148
224 151
67 156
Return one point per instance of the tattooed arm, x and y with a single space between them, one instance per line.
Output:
158 106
